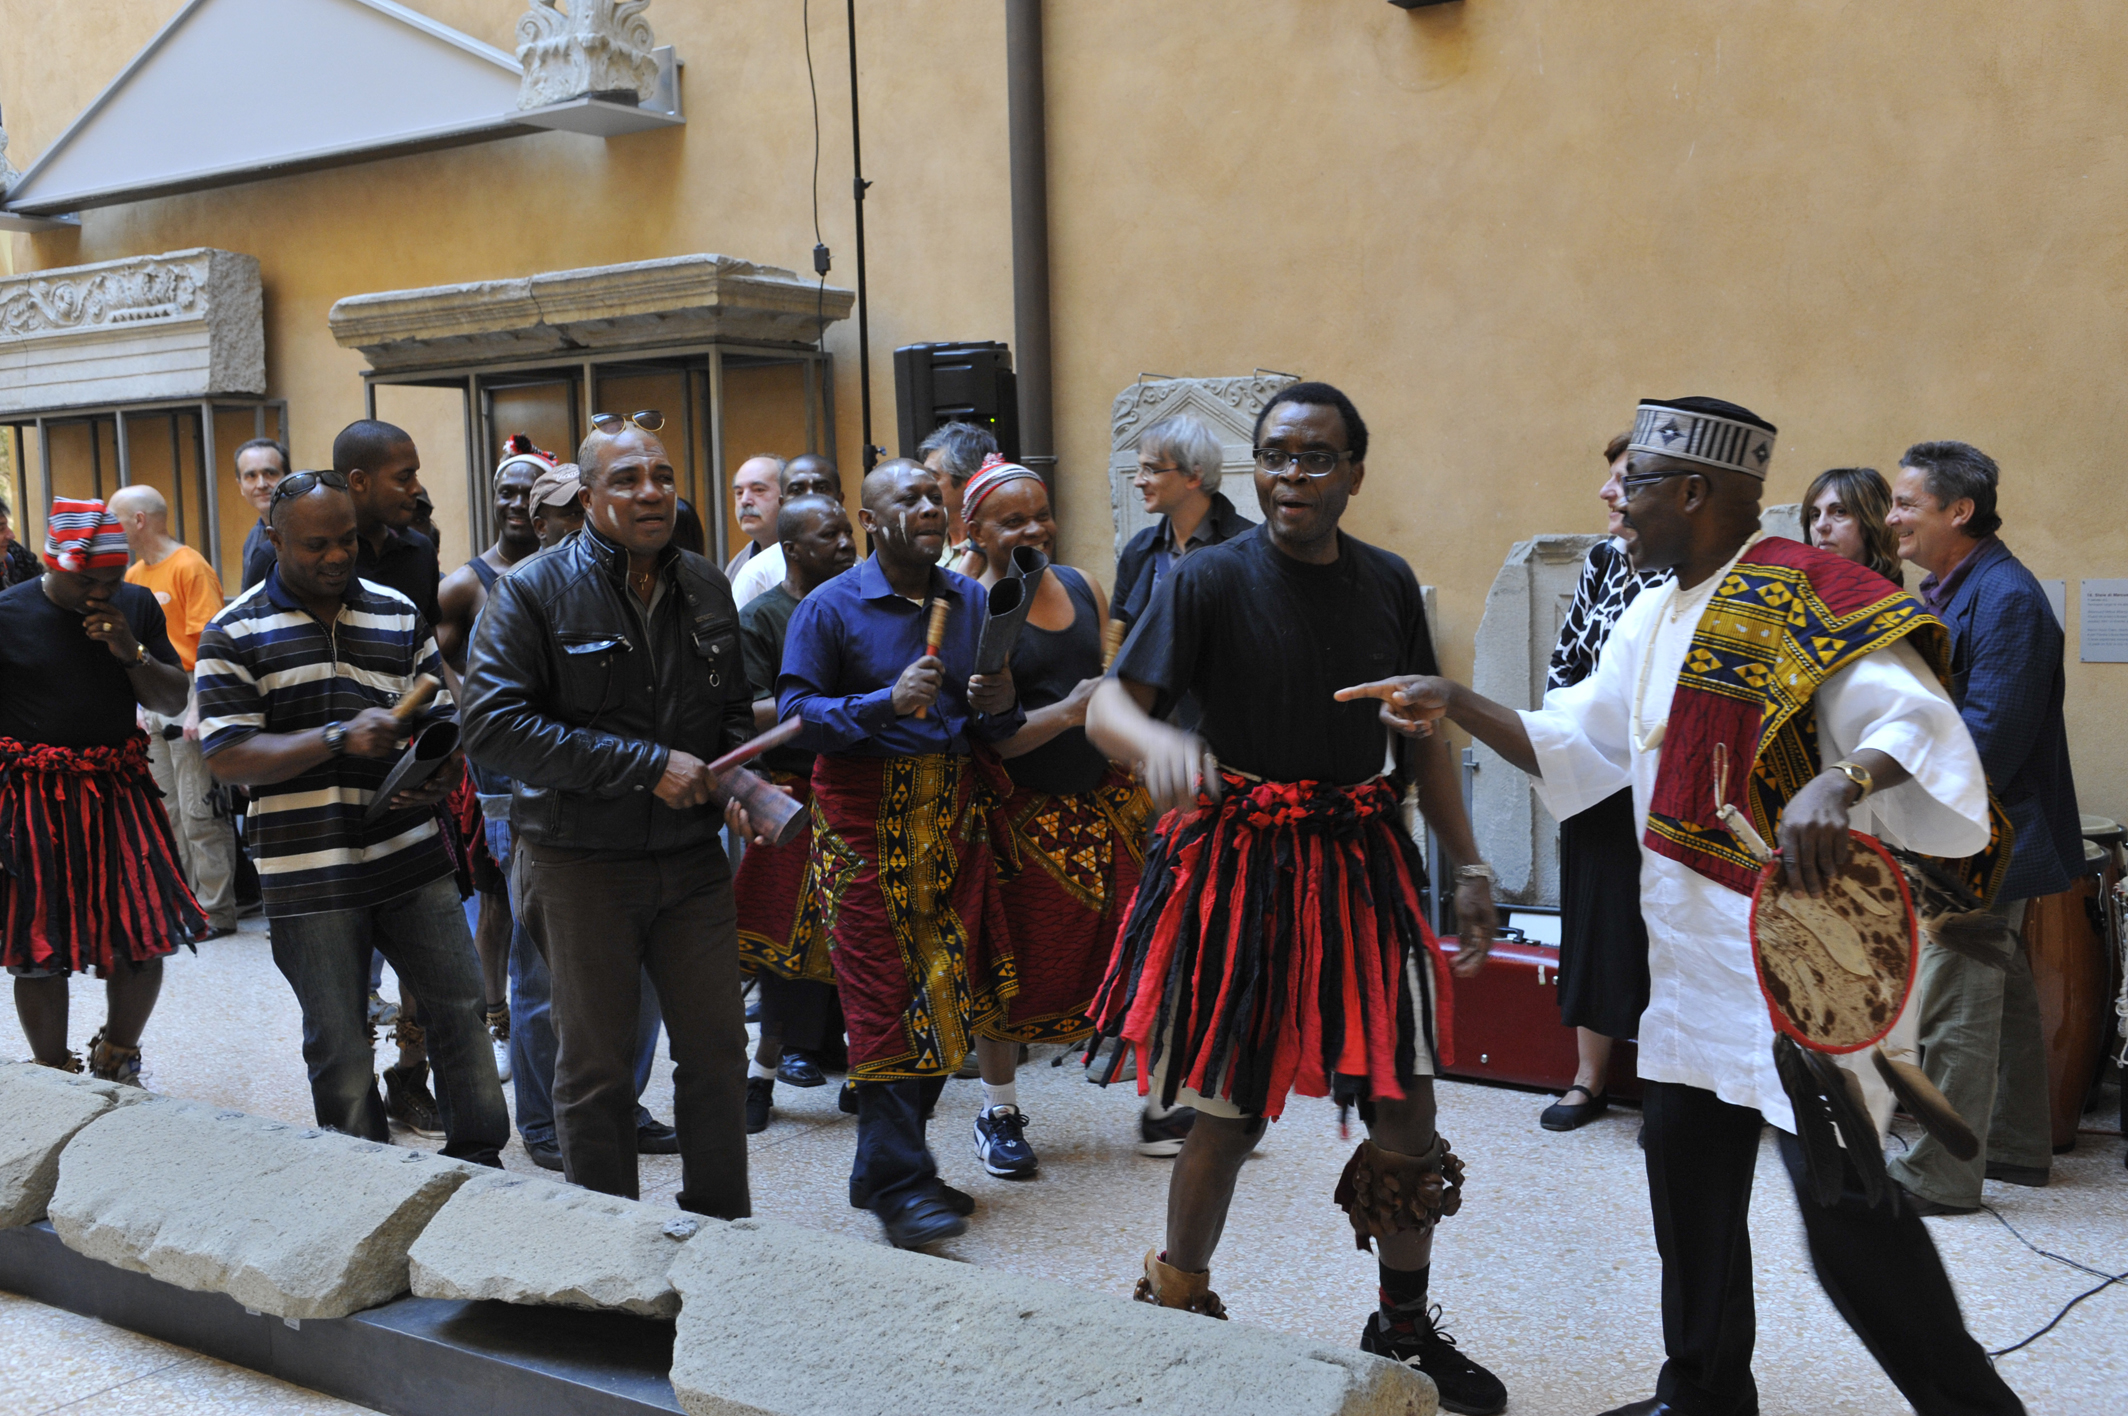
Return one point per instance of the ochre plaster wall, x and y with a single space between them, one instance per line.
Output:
1495 222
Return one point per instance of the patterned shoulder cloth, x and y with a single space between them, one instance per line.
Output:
1786 618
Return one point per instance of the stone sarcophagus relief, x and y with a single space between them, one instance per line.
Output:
183 324
1228 406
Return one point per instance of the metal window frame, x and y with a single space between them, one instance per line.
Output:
701 366
202 408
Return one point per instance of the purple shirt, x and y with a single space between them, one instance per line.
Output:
1935 594
850 640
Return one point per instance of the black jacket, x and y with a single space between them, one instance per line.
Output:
563 697
1134 568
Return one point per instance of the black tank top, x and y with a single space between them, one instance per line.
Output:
1047 664
488 574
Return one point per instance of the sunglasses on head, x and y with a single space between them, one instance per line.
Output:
302 484
648 419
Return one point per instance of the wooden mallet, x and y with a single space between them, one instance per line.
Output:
935 636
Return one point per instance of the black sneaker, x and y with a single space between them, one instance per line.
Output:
1163 1138
1465 1387
799 1070
1001 1143
760 1094
408 1102
654 1137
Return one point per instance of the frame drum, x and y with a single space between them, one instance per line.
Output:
1836 970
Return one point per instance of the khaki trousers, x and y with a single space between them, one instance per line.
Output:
1981 1044
206 843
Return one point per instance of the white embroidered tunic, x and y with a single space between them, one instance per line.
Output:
1706 1024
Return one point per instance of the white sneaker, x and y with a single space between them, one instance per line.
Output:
502 1061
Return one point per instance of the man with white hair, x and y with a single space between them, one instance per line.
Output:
1178 478
190 594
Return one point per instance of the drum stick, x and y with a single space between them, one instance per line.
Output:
754 746
1112 635
935 636
419 692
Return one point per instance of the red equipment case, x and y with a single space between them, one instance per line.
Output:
1506 1022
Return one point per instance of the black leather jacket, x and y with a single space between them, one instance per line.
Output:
563 697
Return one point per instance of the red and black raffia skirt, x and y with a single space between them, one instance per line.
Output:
1074 869
780 928
1268 945
88 867
466 839
909 899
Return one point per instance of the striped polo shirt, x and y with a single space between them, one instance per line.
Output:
266 665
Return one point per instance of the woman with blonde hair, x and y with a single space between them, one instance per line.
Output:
1844 513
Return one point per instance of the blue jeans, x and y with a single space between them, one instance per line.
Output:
423 935
532 1041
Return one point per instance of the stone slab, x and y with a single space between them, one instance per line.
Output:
289 1220
40 1111
1228 406
913 1334
522 1239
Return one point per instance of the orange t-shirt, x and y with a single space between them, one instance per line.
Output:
189 592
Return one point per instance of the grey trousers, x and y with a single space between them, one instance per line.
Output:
1981 1044
206 843
600 925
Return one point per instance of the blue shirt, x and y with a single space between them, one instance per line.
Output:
267 666
850 640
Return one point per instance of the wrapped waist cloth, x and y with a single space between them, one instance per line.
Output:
779 909
1276 942
88 867
908 893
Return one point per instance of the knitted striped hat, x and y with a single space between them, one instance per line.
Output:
82 535
1691 431
518 448
995 473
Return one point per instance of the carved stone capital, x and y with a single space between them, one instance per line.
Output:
176 325
600 47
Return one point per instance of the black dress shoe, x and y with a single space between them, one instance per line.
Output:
799 1070
1564 1116
547 1155
760 1101
959 1201
846 1100
1653 1406
925 1222
656 1138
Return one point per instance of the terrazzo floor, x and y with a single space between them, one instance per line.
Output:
1548 1276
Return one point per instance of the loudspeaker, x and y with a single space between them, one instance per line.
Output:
956 383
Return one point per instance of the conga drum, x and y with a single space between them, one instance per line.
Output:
2065 939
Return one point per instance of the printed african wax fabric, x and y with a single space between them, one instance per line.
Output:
88 867
1075 861
1783 620
780 926
909 899
1276 941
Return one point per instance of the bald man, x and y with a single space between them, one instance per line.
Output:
190 594
900 833
757 494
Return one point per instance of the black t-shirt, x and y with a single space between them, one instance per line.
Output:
1046 666
763 623
57 685
1263 641
407 563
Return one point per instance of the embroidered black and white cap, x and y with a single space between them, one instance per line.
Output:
1691 435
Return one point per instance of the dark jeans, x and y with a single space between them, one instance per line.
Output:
1882 1272
423 934
600 924
532 1044
893 1162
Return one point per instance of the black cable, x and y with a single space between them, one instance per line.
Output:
2108 1281
820 247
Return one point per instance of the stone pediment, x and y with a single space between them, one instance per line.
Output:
184 324
1228 405
678 300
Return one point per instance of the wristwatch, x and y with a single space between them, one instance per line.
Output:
1858 774
336 738
1480 871
140 654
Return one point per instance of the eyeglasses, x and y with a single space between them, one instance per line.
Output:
648 419
1634 486
1147 471
302 484
1314 463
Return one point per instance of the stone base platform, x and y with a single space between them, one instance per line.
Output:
413 1357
